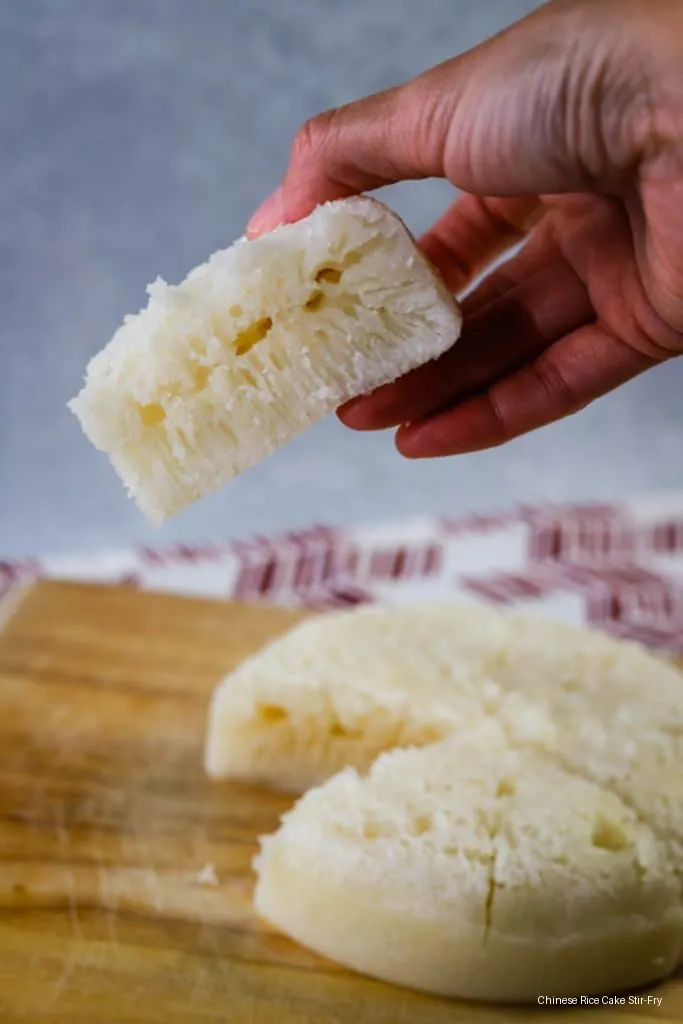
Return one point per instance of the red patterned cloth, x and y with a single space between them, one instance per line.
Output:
616 567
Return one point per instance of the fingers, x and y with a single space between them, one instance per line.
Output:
567 376
388 137
539 253
474 231
545 301
498 120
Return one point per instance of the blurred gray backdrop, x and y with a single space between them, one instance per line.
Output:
137 137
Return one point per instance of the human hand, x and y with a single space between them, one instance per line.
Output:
566 130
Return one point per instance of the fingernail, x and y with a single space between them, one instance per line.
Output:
407 441
269 215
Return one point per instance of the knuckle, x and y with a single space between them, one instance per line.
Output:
559 393
502 429
312 137
425 108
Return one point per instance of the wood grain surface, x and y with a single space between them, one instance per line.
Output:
110 833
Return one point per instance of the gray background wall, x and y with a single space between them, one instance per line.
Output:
136 137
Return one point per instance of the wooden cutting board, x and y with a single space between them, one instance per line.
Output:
110 833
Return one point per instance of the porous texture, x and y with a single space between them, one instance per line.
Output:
529 842
471 871
256 345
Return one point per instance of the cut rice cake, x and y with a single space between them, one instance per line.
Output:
256 345
474 870
527 838
340 688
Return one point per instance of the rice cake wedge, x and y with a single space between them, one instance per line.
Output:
476 870
400 717
256 345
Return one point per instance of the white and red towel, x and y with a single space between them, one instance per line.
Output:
616 567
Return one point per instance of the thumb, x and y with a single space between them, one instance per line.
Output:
524 113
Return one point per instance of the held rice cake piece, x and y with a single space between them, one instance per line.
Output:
256 345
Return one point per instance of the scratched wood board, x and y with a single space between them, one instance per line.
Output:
110 834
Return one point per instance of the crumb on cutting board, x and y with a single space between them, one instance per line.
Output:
207 875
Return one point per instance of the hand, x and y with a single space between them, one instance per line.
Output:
566 130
